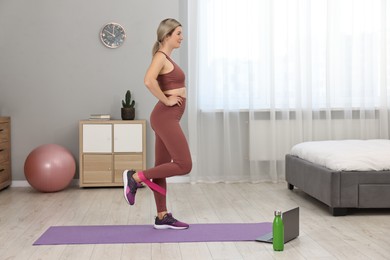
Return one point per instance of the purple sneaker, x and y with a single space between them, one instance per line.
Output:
140 185
130 186
169 222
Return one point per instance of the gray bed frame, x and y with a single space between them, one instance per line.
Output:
340 190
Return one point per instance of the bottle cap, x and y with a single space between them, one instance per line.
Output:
278 212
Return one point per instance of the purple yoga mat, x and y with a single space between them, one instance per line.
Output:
63 235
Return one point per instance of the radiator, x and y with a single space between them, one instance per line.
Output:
272 140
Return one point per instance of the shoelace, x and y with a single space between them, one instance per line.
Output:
169 218
132 184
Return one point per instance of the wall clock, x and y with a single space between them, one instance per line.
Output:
112 35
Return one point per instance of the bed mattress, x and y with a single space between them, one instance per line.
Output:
347 155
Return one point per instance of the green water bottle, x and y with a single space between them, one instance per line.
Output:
278 232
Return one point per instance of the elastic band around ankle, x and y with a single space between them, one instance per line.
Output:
151 185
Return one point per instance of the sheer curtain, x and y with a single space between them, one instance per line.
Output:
267 74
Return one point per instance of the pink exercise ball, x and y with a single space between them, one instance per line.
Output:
49 168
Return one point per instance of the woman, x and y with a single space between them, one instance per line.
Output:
165 80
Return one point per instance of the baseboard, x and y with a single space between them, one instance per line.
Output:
18 184
179 179
75 182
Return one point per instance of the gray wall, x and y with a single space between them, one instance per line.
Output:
54 71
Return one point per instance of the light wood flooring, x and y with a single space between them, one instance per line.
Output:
25 214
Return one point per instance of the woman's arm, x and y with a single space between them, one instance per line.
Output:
151 83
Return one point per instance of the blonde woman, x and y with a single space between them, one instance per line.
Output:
166 81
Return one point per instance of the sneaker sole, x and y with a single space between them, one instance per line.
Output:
125 183
161 227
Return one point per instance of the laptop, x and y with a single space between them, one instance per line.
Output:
291 227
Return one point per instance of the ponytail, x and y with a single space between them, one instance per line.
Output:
156 46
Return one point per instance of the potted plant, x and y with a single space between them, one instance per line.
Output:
128 110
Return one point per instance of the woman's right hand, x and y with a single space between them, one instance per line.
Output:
174 100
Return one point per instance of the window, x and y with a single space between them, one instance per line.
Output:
286 54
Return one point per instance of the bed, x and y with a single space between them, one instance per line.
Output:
342 174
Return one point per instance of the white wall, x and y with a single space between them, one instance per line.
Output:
54 70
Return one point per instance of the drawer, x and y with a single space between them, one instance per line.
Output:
374 195
5 172
4 152
4 132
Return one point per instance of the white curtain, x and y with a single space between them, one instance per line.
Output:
267 74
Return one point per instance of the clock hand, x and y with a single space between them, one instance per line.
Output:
109 32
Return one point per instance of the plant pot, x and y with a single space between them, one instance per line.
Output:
128 113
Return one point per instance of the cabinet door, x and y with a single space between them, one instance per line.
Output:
128 138
97 168
126 162
97 138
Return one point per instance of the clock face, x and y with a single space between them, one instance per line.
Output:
112 35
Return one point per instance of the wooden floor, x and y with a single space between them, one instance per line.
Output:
25 214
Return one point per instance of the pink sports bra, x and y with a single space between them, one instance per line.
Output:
173 79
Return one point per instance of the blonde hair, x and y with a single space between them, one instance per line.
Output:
165 29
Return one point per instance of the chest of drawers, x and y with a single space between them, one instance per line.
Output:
5 152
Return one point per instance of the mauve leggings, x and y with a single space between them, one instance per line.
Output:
172 154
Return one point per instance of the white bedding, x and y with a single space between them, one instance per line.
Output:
347 155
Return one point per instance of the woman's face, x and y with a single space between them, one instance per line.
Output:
176 37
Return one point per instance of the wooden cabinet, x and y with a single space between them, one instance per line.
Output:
5 152
107 148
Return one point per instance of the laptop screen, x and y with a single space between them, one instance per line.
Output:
291 224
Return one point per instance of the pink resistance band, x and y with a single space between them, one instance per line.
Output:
151 185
